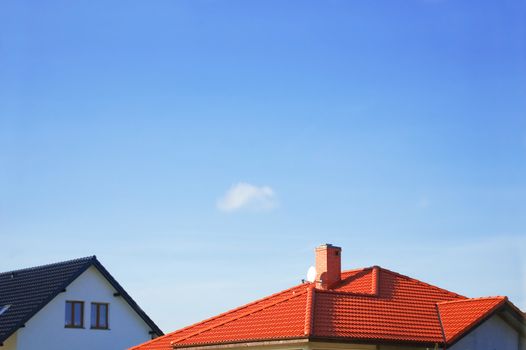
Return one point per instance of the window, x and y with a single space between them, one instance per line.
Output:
74 314
99 315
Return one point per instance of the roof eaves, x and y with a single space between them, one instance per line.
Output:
518 312
376 341
244 343
281 341
514 317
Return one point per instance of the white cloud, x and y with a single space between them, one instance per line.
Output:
246 196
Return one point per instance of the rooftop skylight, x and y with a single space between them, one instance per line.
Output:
3 308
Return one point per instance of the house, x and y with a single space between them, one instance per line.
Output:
368 308
74 304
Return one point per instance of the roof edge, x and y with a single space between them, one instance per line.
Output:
309 310
32 268
127 297
244 343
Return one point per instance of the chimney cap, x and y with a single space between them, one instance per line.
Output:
328 245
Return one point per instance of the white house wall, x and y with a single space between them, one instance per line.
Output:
493 334
46 329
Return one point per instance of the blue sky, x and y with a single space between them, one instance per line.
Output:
202 149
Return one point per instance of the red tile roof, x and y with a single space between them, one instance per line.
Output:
368 305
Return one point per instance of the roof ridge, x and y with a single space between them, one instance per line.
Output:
32 268
355 270
373 270
421 282
309 310
356 294
248 313
217 316
472 299
375 280
442 330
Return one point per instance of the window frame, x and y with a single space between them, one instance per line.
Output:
73 325
97 315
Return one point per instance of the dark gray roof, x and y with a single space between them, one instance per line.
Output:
29 290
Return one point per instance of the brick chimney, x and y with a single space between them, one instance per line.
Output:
328 266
